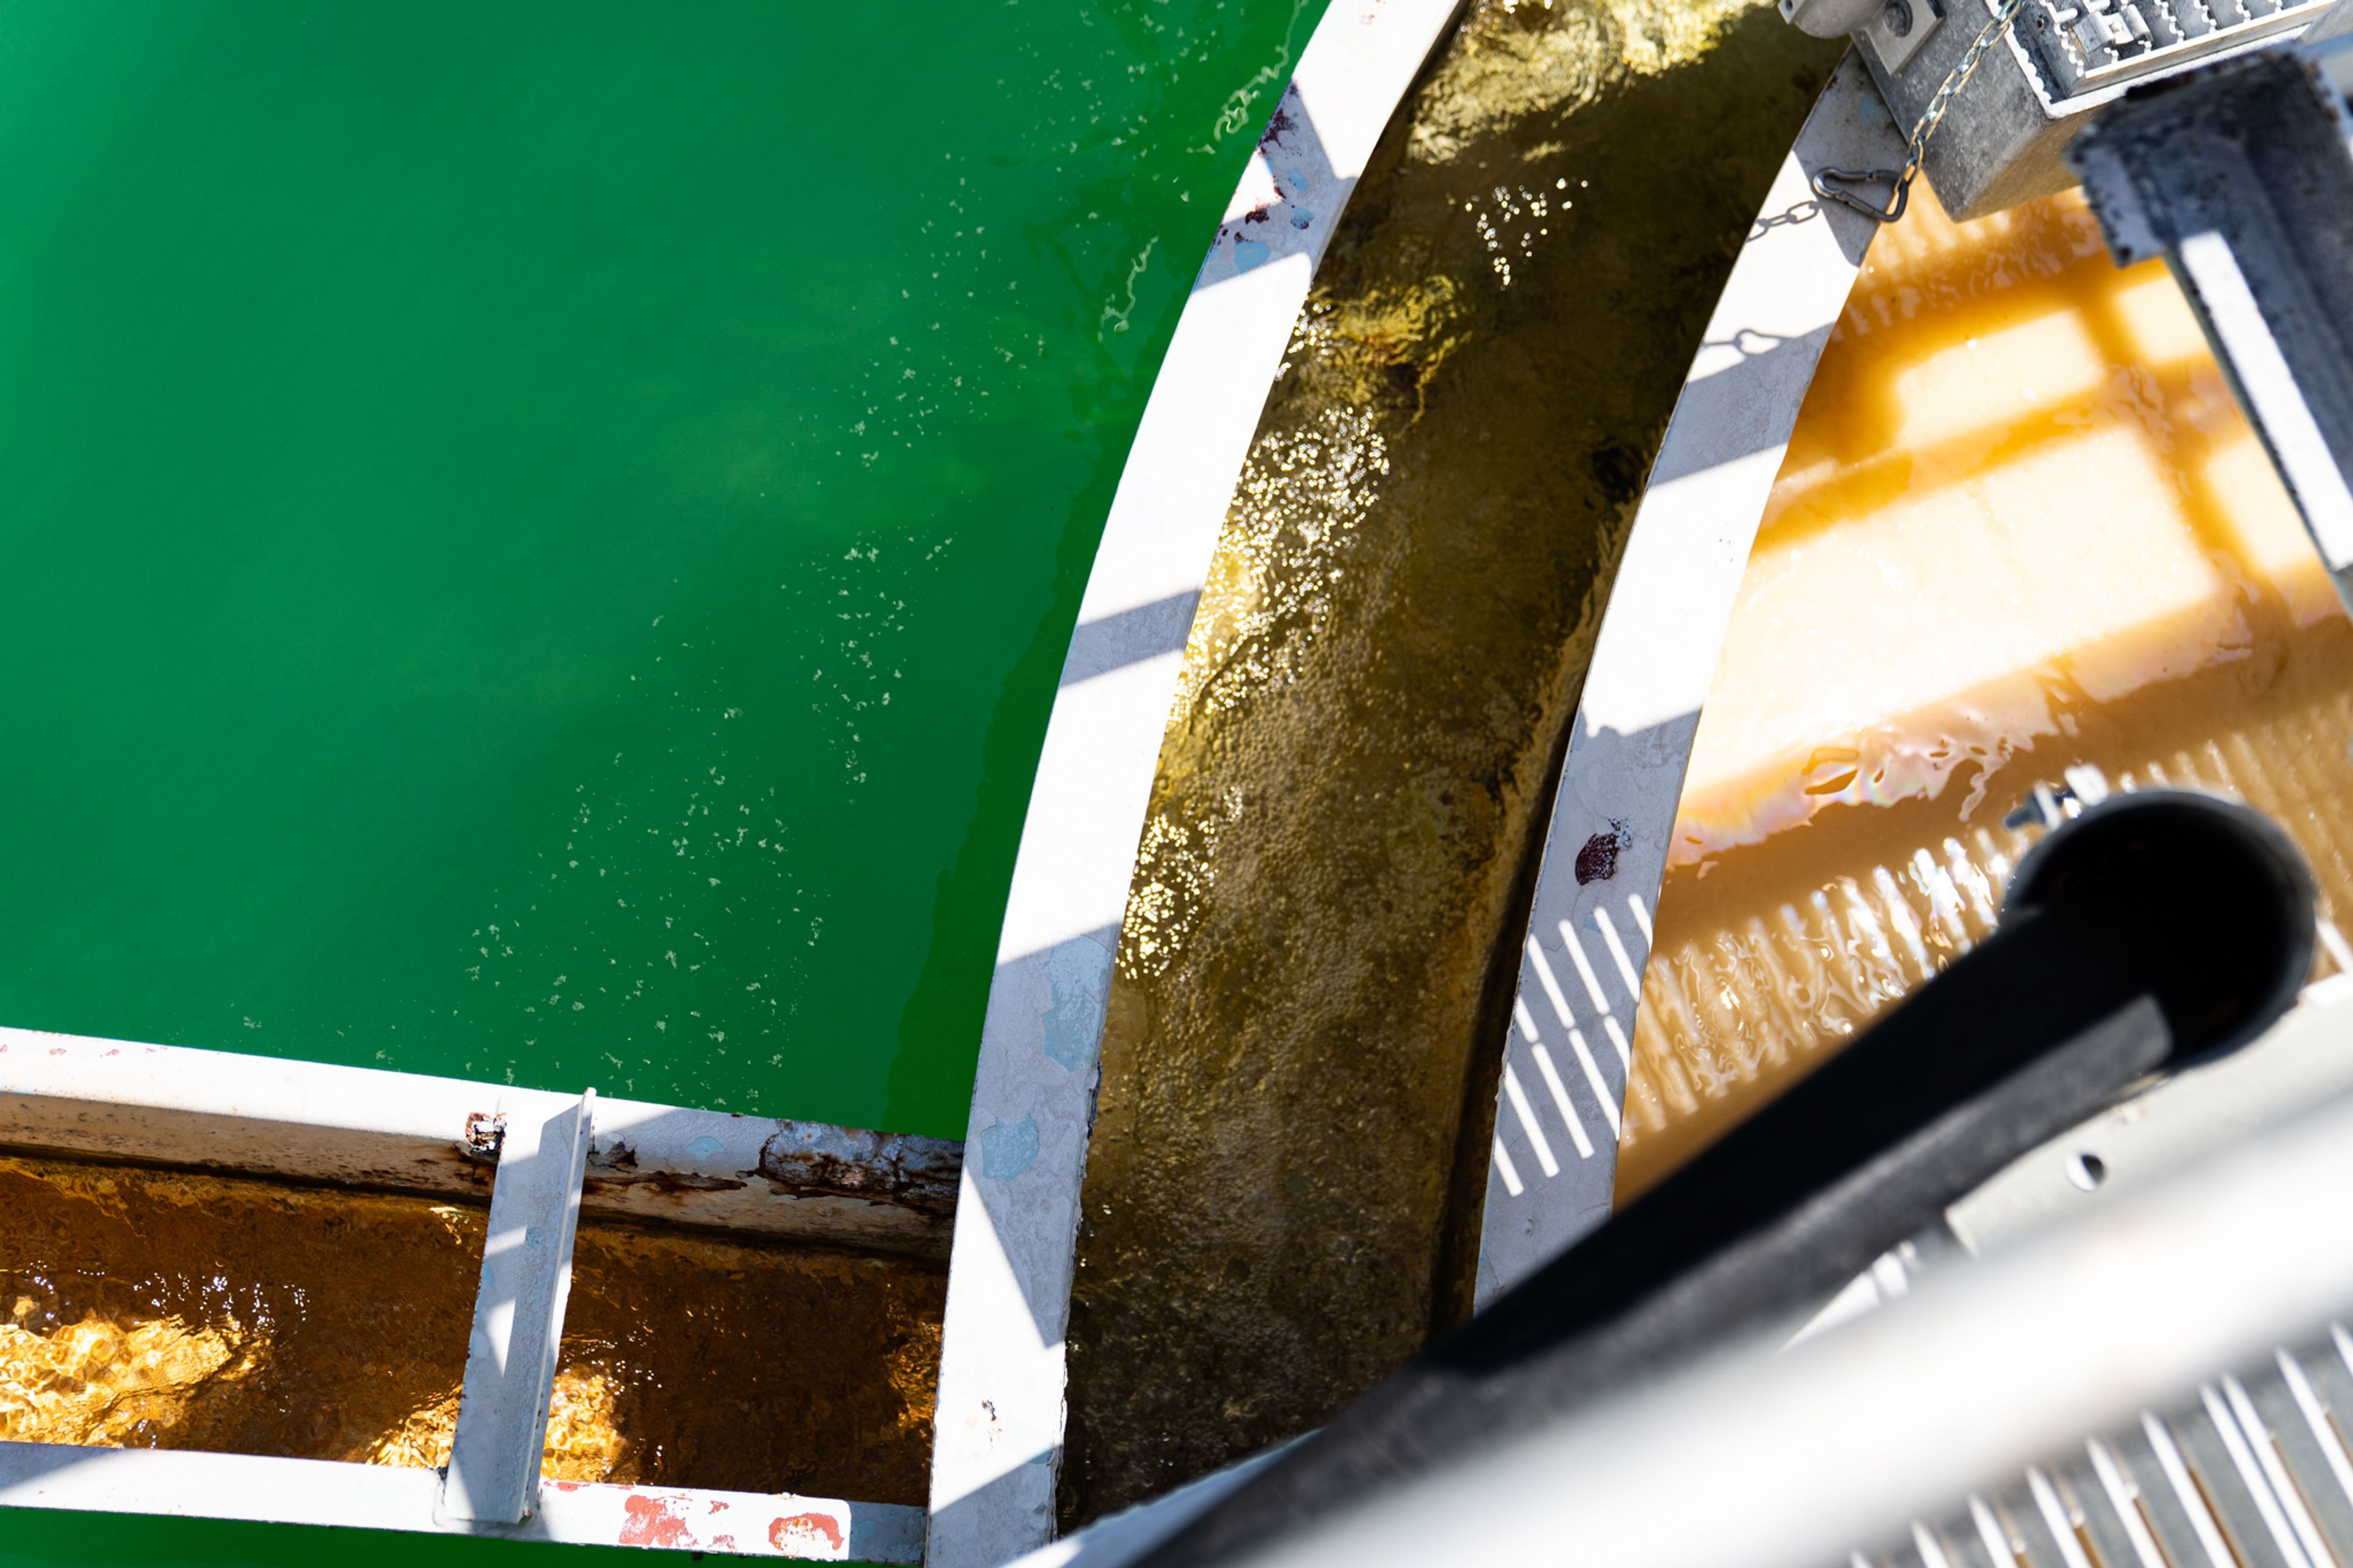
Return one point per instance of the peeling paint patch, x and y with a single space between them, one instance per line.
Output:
1008 1148
809 1159
1074 1023
805 1534
653 1521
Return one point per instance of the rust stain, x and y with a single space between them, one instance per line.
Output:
485 1134
669 1183
809 1159
801 1533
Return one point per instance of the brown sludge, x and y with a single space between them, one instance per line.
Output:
174 1310
2021 527
1276 1211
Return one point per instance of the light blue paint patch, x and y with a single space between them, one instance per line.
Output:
1074 1023
1008 1149
1300 217
1249 253
706 1148
1873 112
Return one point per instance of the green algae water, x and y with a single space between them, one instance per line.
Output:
538 538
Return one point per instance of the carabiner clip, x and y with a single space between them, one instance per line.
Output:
1900 188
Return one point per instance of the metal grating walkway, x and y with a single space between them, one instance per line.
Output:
2253 1471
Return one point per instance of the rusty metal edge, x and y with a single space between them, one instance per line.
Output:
226 1112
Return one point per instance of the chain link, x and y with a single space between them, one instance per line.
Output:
1899 181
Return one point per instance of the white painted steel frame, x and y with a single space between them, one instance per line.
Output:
2300 1062
500 1438
259 1116
998 1434
187 1484
1566 1056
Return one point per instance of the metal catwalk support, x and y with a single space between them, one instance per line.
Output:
495 1454
2240 176
2165 1376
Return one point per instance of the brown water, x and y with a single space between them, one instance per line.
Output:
160 1310
2021 527
1281 1199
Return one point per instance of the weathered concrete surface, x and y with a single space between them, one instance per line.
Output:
1317 960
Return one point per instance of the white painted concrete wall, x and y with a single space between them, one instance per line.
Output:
265 1116
999 1433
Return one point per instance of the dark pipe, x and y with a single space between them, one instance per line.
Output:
2216 897
2155 928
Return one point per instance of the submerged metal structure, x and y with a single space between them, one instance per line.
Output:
541 1159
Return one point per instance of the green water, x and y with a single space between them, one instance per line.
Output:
538 538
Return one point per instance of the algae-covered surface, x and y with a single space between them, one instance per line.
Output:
1281 1200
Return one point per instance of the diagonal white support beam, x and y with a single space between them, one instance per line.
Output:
494 1455
1614 812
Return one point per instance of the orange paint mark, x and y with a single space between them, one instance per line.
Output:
803 1531
653 1521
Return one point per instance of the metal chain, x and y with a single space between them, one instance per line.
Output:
1900 180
